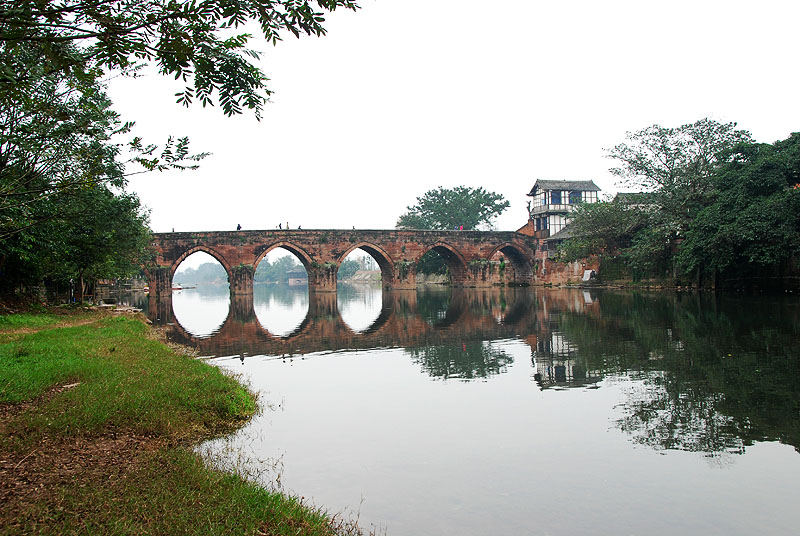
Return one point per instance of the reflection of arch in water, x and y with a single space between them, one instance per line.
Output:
455 262
192 337
301 327
205 249
280 309
359 315
201 315
384 313
380 321
455 309
400 323
322 315
381 257
518 257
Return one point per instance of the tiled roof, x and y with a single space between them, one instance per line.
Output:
584 186
563 234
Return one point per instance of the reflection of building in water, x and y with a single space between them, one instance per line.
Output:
554 360
554 356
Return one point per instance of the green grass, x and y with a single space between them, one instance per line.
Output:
173 492
126 381
26 321
129 384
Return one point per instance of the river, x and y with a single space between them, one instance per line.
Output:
515 411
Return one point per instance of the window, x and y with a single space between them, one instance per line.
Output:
555 197
558 222
575 198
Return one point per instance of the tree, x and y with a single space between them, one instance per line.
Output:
103 235
678 167
348 268
92 234
192 41
604 227
206 273
753 221
61 138
62 181
676 164
465 361
445 208
277 271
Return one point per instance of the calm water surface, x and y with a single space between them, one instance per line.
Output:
517 411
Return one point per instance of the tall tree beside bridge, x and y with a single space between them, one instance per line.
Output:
719 206
61 141
62 181
461 207
449 209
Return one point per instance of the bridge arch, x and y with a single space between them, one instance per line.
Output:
385 262
455 262
518 257
205 249
302 255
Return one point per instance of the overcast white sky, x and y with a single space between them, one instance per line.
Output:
407 95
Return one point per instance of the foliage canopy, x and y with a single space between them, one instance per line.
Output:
196 42
63 205
719 205
453 208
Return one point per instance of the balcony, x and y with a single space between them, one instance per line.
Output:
549 209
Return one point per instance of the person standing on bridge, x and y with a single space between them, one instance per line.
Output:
238 226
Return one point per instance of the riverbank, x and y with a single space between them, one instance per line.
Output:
98 419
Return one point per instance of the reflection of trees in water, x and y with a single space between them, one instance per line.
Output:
464 361
662 417
363 292
718 372
210 291
282 294
432 304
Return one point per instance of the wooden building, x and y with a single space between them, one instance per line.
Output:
552 201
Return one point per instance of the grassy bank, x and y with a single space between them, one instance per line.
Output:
97 421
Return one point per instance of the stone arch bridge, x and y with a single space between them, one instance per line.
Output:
475 258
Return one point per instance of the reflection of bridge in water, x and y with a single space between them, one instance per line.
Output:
471 315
